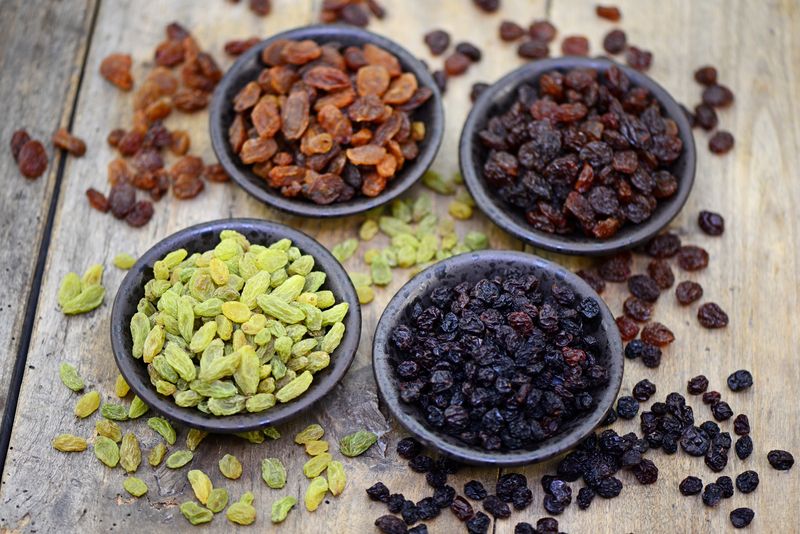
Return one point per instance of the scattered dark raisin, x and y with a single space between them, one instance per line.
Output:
628 329
664 245
510 31
711 397
121 199
496 507
692 258
575 45
711 315
533 49
469 50
747 482
478 524
643 287
421 528
18 140
712 494
637 309
697 385
717 96
32 159
140 214
705 117
585 497
443 497
378 492
437 41
421 463
690 486
643 390
711 223
721 411
627 407
638 59
721 142
741 517
695 441
661 273
706 75
614 42
615 268
547 525
744 447
780 460
461 508
408 448
395 502
726 485
646 472
489 6
741 425
477 89
524 528
390 524
593 279
456 63
688 292
542 30
475 490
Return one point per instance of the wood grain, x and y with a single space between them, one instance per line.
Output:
752 275
41 53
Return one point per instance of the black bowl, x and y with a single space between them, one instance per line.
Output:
497 99
204 237
472 267
246 69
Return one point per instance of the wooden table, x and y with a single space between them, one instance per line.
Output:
49 58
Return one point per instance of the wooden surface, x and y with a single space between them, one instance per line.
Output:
752 274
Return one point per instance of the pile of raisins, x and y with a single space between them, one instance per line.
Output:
326 122
582 151
145 144
354 12
502 363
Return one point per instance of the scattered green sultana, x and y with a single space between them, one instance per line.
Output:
230 467
70 377
135 486
317 464
312 432
242 512
357 443
178 459
109 429
121 387
106 451
201 485
217 500
116 412
316 493
87 404
281 508
130 455
69 443
273 473
337 480
81 295
195 513
194 437
124 261
164 428
157 454
316 447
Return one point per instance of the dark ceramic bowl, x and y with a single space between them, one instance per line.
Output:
204 237
498 98
472 267
246 69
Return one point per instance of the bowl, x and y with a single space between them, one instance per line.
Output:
204 237
499 96
472 267
246 69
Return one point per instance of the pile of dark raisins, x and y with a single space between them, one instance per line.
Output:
502 363
582 151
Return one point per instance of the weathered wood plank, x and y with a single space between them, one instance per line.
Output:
727 34
41 52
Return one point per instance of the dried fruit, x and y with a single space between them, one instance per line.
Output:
740 380
711 223
70 377
69 443
157 454
162 427
281 508
116 68
135 486
316 493
87 404
230 467
217 500
711 315
780 460
201 484
721 142
106 451
357 443
242 512
337 479
273 473
66 141
688 292
196 514
178 459
130 455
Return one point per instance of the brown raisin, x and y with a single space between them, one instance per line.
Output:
266 119
32 159
116 68
326 78
141 214
692 258
18 140
373 184
187 186
180 142
706 75
542 30
533 49
688 292
437 41
664 245
705 117
575 45
215 173
721 142
611 13
261 8
324 188
661 273
657 334
711 315
170 53
190 100
628 329
643 287
717 96
637 309
372 80
238 47
456 64
616 268
593 279
638 59
97 200
615 41
711 223
510 31
121 199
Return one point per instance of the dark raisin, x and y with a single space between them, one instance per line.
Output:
780 460
354 14
747 482
410 513
688 292
744 447
422 528
140 214
692 258
421 463
478 524
664 246
721 142
31 159
427 509
553 506
390 524
524 528
661 273
721 411
712 494
646 472
408 448
627 407
443 496
593 279
18 140
643 390
456 63
711 223
638 59
711 315
741 517
440 78
614 42
522 498
489 6
706 75
547 525
637 309
585 497
726 485
695 441
643 287
711 397
477 89
97 200
740 380
575 45
542 30
697 385
461 508
469 50
717 96
533 49
615 268
611 13
378 492
437 41
690 486
121 199
436 478
657 334
495 506
510 31
741 425
608 488
395 502
475 490
705 117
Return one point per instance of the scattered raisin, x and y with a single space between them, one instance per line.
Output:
741 517
741 425
496 507
657 334
97 200
238 47
688 292
721 142
461 508
664 246
643 390
692 258
721 411
627 407
469 50
712 494
437 41
121 199
575 45
638 59
140 214
611 13
740 380
18 140
32 159
726 485
533 49
747 482
478 524
780 460
510 31
615 41
637 309
705 117
475 490
711 223
390 524
628 329
489 6
744 447
456 64
116 68
378 492
711 315
542 30
691 486
706 75
697 385
717 96
661 273
711 397
643 287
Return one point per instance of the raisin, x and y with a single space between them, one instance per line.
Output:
121 199
690 486
261 8
585 497
615 268
711 315
747 482
66 141
695 441
705 117
238 47
711 397
575 45
615 41
378 492
593 279
32 159
664 246
190 100
706 75
141 214
711 223
461 508
637 309
627 407
638 59
688 292
741 517
643 287
355 15
524 528
721 411
469 50
692 258
712 494
740 380
390 524
437 41
646 472
661 273
170 53
97 200
187 186
475 490
533 49
721 142
476 90
496 507
456 64
116 68
726 485
18 140
510 31
697 385
489 6
643 390
744 447
780 460
657 334
741 425
628 329
717 96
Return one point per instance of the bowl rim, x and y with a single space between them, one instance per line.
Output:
499 214
242 422
412 172
422 284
